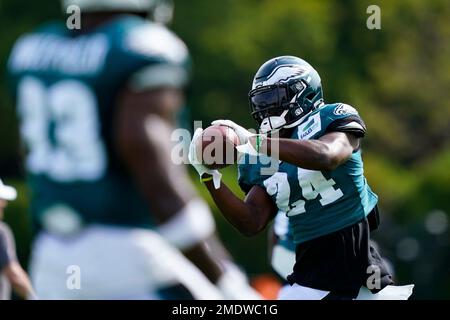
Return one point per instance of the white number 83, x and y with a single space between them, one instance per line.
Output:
76 151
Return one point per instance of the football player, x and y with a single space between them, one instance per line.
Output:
305 163
97 108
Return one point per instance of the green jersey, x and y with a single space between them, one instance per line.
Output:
316 202
66 86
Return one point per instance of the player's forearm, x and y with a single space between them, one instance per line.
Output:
307 154
200 256
24 289
239 213
19 281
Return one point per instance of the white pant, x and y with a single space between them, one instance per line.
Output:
297 292
283 260
105 262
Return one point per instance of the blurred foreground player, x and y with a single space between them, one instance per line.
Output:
11 273
97 108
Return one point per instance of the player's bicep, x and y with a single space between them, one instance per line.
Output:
142 137
339 146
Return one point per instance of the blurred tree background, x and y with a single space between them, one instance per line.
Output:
397 77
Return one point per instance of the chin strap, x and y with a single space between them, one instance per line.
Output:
273 123
267 125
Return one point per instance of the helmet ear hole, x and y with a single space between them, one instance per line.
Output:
311 96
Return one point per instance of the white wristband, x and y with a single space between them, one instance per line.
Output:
194 223
247 149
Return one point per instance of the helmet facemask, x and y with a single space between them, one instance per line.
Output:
281 105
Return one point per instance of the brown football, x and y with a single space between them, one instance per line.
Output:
218 147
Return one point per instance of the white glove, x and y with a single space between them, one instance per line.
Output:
241 132
201 169
244 135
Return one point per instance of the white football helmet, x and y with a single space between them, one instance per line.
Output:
160 11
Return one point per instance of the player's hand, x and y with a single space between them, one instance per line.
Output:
201 169
249 142
241 132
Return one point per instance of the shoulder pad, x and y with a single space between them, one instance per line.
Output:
342 117
152 40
